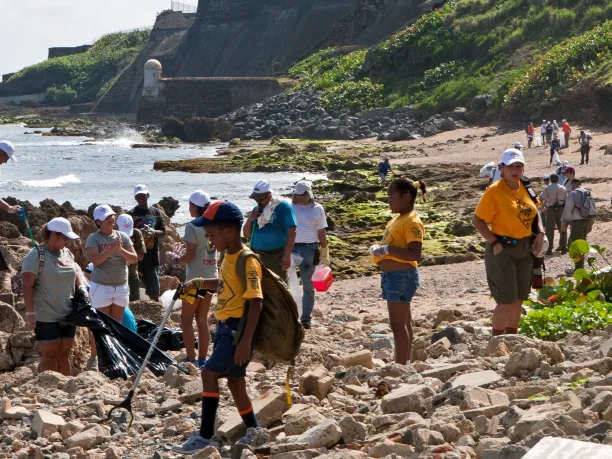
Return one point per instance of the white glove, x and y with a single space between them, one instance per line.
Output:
379 250
178 250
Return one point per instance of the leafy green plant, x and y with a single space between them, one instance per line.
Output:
64 95
322 70
554 323
443 72
353 96
88 72
560 68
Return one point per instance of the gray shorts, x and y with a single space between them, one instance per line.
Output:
510 273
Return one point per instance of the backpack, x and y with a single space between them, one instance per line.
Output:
16 280
279 331
586 206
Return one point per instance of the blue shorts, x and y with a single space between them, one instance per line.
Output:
221 360
399 286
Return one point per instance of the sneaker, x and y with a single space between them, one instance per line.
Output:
201 363
195 444
306 324
548 252
255 437
92 363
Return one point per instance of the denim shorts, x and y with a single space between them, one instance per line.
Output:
399 286
221 360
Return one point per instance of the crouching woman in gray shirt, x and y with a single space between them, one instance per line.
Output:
49 276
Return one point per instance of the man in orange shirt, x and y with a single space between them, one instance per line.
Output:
566 132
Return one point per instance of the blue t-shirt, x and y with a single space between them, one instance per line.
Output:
384 167
274 234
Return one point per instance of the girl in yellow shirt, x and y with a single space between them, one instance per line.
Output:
509 210
397 258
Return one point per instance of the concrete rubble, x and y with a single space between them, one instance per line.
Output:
472 396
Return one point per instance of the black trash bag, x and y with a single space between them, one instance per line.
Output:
171 339
121 352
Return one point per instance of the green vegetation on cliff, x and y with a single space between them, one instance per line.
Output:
526 53
81 77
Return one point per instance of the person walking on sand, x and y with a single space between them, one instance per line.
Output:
555 146
530 134
549 133
150 221
50 277
310 243
7 151
585 147
200 258
125 224
553 200
384 167
397 257
111 252
271 228
567 130
543 132
575 217
510 210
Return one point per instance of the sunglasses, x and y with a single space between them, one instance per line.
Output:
261 198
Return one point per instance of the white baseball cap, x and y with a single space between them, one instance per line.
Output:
517 145
140 189
125 223
303 187
261 187
63 226
546 177
89 268
102 212
199 198
511 156
8 148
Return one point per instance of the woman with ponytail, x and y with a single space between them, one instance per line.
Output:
397 257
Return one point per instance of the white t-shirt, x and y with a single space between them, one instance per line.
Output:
495 175
310 219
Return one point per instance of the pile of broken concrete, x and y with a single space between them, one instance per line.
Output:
466 395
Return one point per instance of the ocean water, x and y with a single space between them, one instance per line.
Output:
85 171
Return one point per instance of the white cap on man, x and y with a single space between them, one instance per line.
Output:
517 145
63 226
125 223
140 189
261 187
303 187
511 156
199 198
8 148
103 212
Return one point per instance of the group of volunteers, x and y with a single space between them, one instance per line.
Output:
549 137
126 247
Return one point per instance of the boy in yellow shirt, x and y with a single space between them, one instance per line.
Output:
223 223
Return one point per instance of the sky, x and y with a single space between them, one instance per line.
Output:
29 27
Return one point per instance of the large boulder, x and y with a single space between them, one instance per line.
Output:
171 127
10 320
199 129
